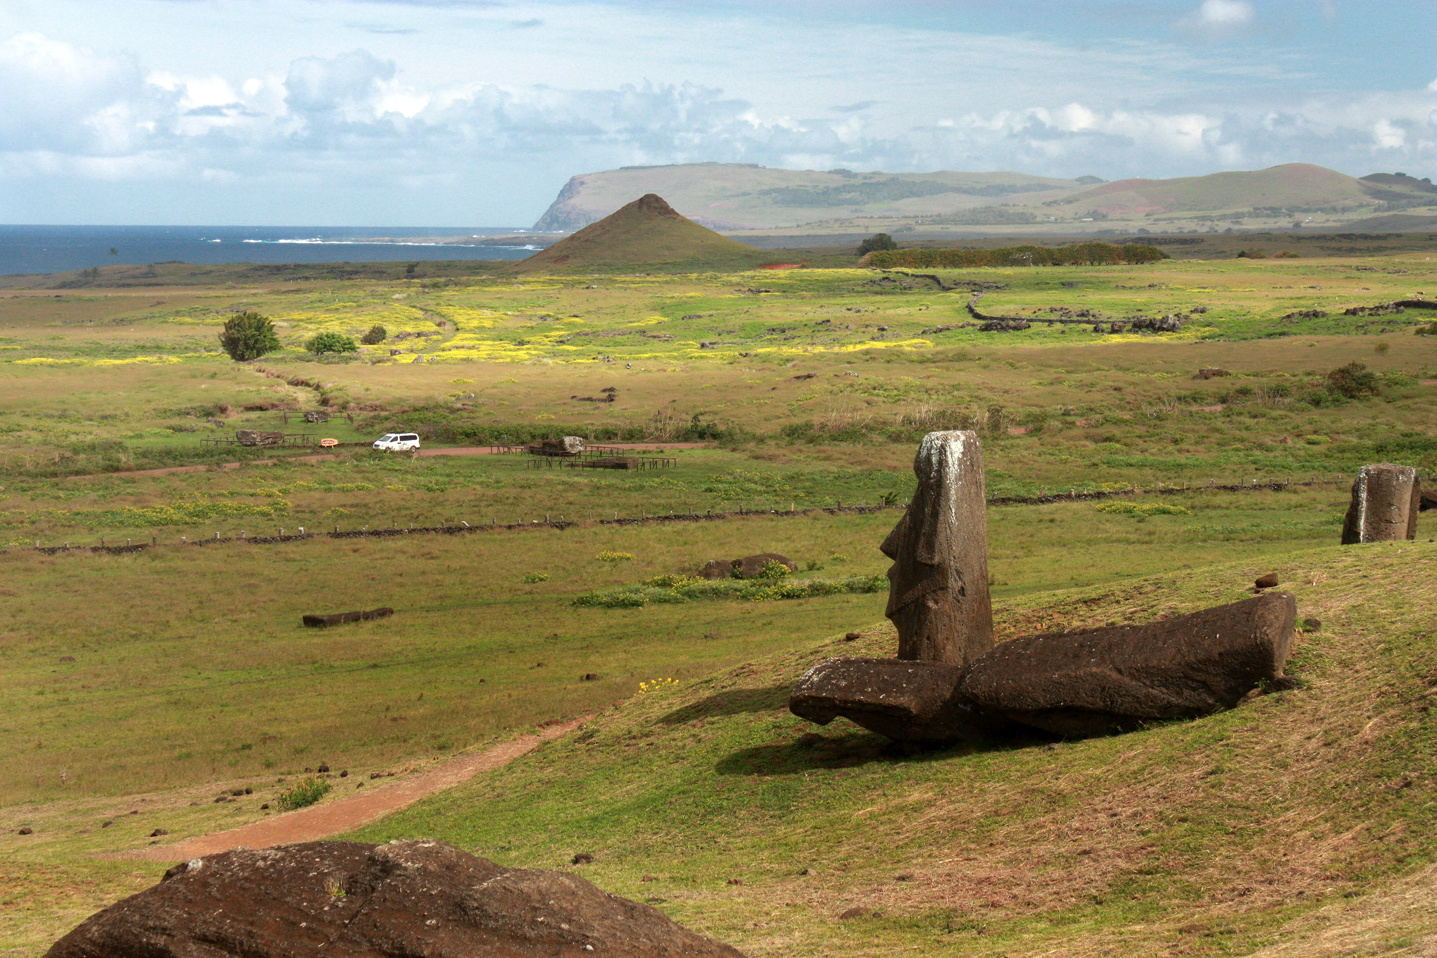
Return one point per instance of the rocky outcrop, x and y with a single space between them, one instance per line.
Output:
416 899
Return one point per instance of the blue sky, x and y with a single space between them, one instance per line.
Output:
476 112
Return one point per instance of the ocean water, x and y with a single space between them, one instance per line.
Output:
53 249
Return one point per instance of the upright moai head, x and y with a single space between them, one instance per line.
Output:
1385 501
938 594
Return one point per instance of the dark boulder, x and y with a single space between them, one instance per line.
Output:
717 569
1101 680
340 618
752 567
400 900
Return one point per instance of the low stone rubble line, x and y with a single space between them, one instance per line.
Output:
708 516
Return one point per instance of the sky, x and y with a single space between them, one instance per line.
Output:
477 112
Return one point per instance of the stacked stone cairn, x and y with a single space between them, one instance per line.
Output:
950 683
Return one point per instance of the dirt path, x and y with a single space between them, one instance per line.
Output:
446 451
331 818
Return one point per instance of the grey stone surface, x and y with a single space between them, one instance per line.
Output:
938 594
1385 501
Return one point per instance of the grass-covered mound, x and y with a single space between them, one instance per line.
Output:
646 233
1299 822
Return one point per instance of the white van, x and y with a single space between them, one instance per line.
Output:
397 441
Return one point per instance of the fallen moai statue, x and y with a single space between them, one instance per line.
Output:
1385 501
339 618
405 899
950 683
1074 684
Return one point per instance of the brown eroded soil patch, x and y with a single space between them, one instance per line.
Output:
331 818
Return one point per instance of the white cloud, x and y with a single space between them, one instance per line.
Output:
1217 19
1386 135
50 88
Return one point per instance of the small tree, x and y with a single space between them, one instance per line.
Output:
876 242
321 343
1352 381
248 335
376 335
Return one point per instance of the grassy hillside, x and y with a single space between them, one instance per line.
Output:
1293 186
149 681
1282 823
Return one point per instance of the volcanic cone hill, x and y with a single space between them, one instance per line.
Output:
647 234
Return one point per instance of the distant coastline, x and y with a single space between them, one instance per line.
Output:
29 249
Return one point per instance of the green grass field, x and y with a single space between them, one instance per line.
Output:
148 681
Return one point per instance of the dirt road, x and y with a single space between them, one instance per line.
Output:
365 805
424 453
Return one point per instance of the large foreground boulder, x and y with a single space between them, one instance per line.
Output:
1074 684
401 900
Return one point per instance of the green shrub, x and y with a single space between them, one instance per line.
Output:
302 794
687 589
321 343
878 241
1352 381
1142 509
376 335
248 335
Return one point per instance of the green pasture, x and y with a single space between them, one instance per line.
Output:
1276 823
150 681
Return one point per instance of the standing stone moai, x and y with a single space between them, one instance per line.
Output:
1385 502
938 593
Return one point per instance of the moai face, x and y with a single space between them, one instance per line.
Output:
938 583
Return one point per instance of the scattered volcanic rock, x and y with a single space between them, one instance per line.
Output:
416 899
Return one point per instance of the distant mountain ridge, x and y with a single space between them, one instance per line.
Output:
738 198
